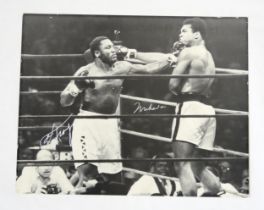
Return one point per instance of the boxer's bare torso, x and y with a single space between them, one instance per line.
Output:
104 97
194 60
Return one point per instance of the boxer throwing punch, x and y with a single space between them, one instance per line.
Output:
99 138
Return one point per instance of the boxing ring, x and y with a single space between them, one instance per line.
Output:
220 113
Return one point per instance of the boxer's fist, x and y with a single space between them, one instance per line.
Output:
83 84
177 48
172 59
132 53
124 52
121 52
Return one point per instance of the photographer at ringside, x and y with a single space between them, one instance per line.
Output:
44 179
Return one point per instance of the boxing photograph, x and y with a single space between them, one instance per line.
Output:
133 105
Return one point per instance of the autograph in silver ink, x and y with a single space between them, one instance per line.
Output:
57 132
140 108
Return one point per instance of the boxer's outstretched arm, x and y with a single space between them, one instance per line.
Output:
150 57
126 68
150 68
147 57
167 61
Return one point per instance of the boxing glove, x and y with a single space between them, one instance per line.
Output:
177 48
83 84
123 52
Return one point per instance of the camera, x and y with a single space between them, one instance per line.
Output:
52 189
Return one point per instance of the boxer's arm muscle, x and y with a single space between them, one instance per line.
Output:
71 91
150 68
184 61
126 68
67 96
150 57
188 59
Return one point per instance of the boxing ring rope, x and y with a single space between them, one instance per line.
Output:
167 103
36 92
153 137
221 73
63 162
48 56
105 116
34 56
164 139
134 76
134 133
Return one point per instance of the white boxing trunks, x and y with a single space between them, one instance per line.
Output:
198 131
97 139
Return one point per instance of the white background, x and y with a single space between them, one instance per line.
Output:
11 12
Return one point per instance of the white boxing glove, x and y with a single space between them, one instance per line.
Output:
172 59
132 53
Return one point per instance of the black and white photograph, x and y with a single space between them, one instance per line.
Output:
133 106
145 105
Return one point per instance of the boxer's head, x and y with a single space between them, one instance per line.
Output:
193 29
102 47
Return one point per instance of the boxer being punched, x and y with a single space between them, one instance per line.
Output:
189 133
190 94
99 138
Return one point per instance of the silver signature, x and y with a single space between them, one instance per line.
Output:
57 132
140 108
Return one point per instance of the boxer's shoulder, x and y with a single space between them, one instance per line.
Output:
85 68
122 66
194 52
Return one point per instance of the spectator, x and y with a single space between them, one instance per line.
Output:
245 182
227 179
138 152
226 172
148 185
44 179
